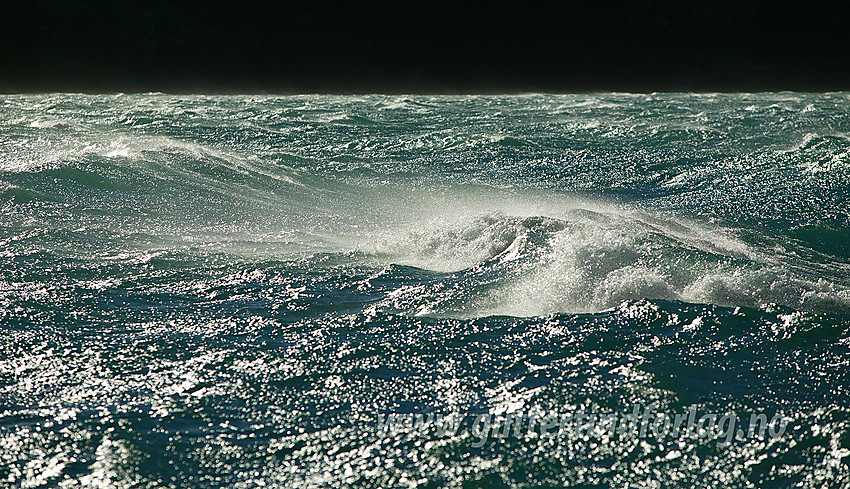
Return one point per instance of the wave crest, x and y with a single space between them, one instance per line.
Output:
590 261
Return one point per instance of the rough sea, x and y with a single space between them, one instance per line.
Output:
241 291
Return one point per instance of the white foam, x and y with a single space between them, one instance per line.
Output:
571 258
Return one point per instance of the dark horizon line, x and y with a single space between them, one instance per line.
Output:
423 92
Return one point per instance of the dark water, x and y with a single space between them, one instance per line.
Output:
232 291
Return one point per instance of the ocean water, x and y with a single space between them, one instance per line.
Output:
237 291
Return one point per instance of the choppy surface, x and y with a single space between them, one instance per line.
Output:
225 291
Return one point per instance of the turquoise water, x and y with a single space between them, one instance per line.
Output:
231 291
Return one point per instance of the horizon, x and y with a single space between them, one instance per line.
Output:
432 94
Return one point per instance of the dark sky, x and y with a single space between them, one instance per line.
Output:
435 47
